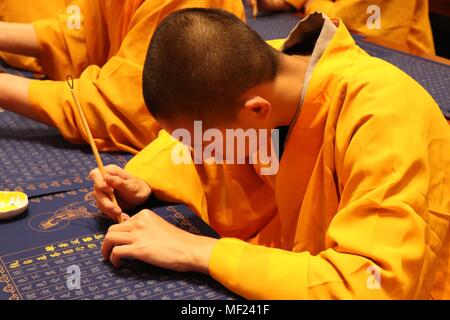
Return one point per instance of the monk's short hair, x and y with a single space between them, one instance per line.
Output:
200 62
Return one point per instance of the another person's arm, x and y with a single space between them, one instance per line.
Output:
118 121
19 38
64 52
14 95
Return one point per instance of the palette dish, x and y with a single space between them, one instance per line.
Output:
12 204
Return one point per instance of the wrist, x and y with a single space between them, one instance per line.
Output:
200 251
144 191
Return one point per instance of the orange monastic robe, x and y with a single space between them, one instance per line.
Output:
360 207
405 24
106 55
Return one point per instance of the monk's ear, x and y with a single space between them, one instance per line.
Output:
258 107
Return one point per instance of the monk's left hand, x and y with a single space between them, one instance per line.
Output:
149 238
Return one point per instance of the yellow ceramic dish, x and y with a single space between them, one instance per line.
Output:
12 204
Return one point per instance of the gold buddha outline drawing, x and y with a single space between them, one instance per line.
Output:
60 219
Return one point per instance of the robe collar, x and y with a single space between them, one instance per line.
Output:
307 134
310 37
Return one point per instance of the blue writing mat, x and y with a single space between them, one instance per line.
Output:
63 230
35 159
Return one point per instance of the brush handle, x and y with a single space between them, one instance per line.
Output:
98 159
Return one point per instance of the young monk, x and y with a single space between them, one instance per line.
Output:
360 205
403 24
106 52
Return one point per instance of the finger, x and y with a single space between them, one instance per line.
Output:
104 187
105 205
112 239
102 193
121 252
99 181
117 171
116 182
115 218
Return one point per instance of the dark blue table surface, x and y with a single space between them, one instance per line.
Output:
65 230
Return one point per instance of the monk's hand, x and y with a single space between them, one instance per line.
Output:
272 5
149 238
130 191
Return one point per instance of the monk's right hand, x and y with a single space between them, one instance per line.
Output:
130 191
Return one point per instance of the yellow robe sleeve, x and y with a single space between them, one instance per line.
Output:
63 46
118 122
232 199
109 93
394 207
109 84
404 24
420 39
169 181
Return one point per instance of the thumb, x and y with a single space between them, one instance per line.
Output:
117 183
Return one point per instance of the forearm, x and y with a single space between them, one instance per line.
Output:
19 38
14 95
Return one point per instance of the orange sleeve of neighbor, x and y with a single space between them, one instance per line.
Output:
106 53
404 24
360 207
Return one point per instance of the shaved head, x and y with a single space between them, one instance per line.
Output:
199 64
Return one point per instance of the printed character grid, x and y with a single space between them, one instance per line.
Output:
35 159
42 273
